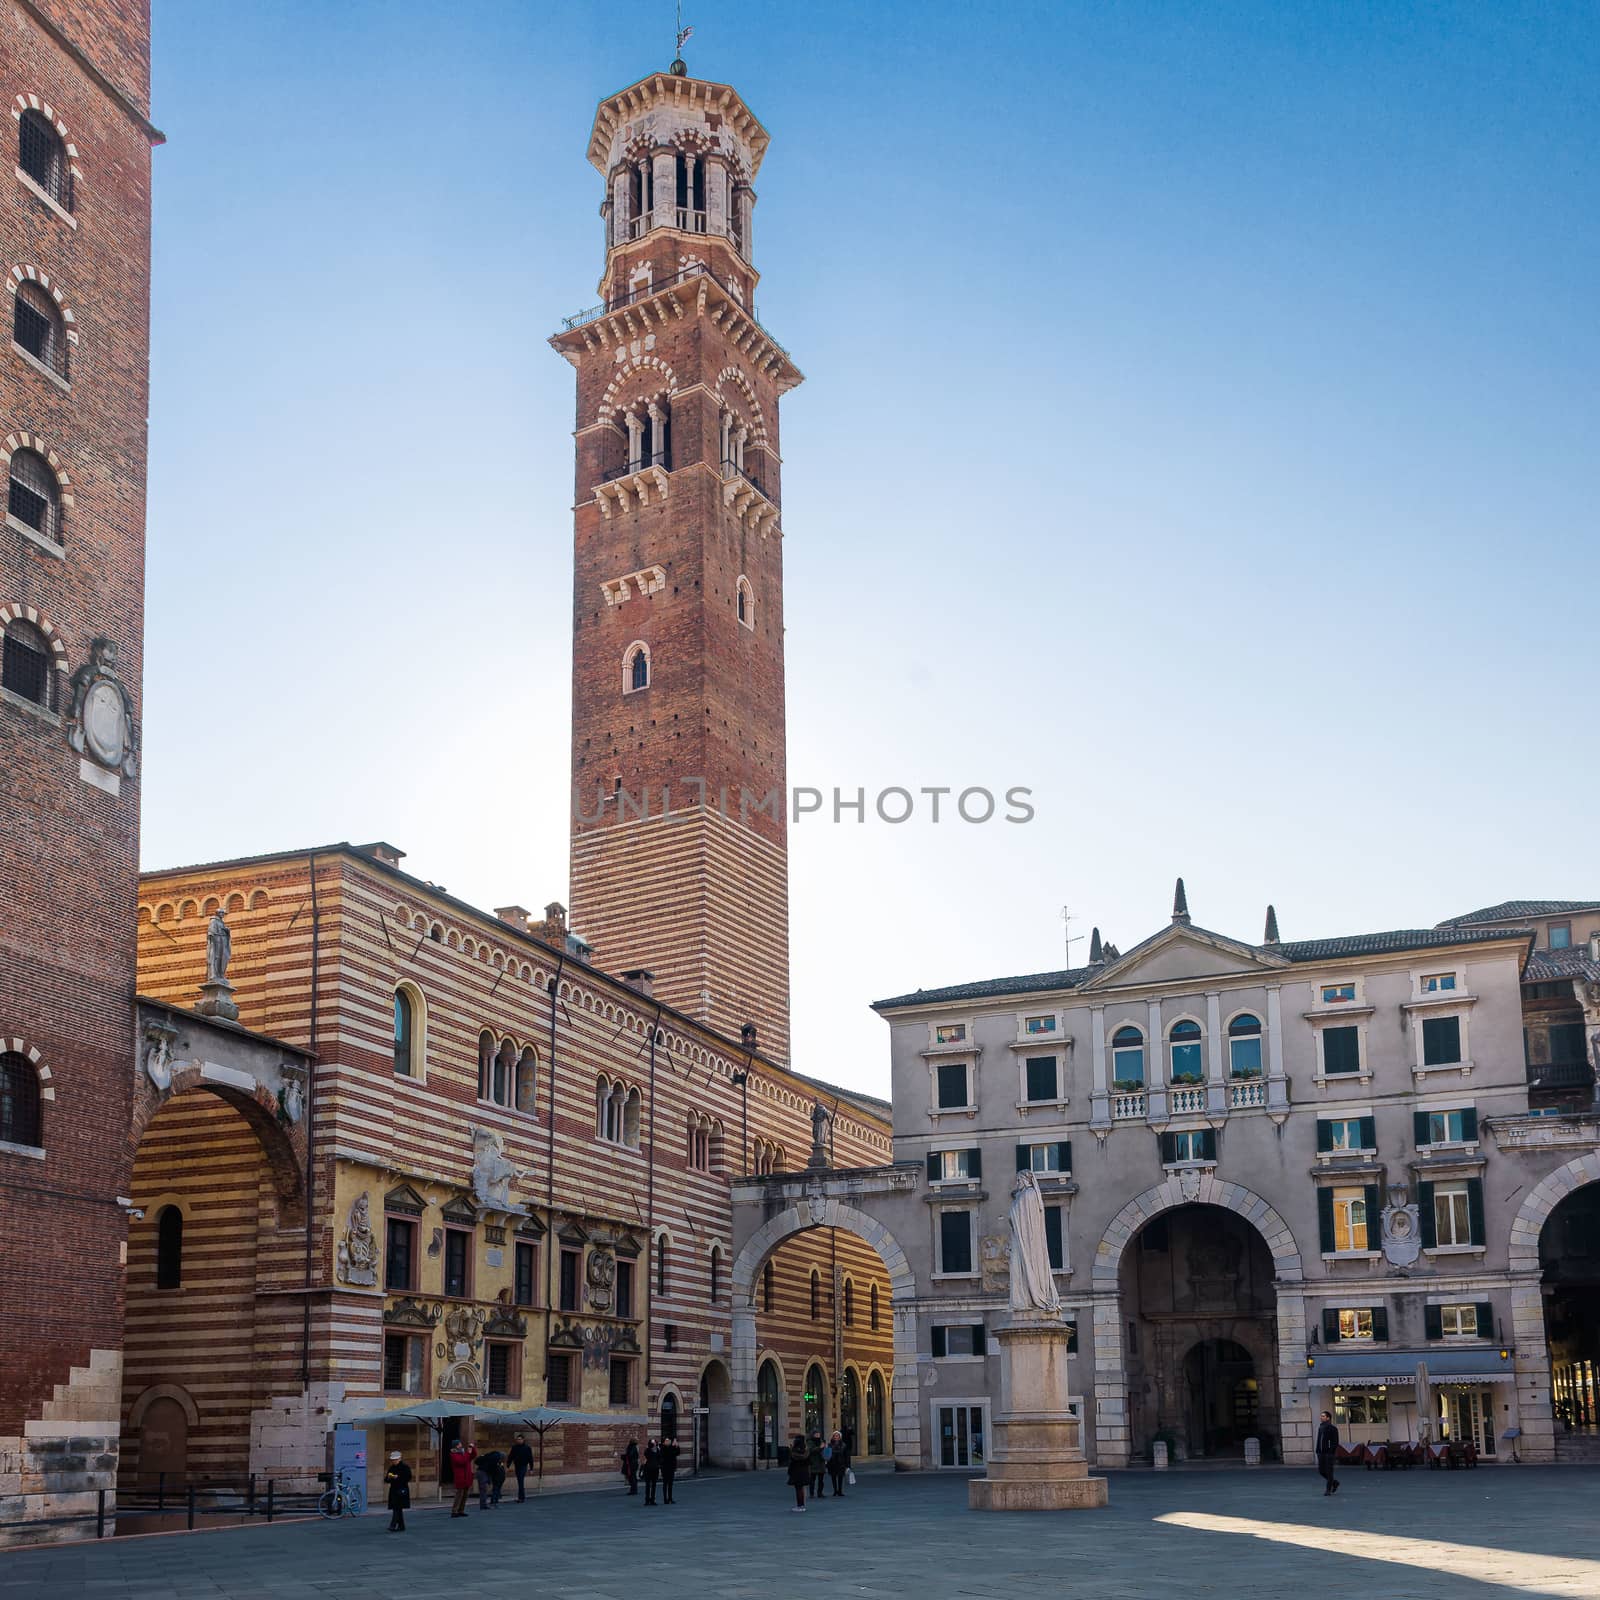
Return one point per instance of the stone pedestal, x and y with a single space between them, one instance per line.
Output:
1036 1460
216 1000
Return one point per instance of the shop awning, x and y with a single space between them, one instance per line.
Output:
1369 1368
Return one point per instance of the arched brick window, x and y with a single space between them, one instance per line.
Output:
816 1295
35 494
169 1248
408 1029
716 1274
768 1280
37 326
42 154
19 1101
636 668
26 665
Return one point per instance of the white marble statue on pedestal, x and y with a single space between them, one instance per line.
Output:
1033 1284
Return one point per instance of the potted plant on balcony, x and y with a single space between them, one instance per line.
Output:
1245 1074
1127 1085
1186 1078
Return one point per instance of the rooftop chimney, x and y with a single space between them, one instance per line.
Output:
642 979
516 916
1272 925
1594 945
390 855
1180 904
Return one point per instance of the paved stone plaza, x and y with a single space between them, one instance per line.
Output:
1231 1533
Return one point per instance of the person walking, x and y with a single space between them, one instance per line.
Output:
485 1468
461 1458
817 1461
1327 1452
630 1466
838 1462
521 1459
398 1477
495 1460
652 1470
669 1468
799 1471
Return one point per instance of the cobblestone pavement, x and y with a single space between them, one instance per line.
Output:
1417 1535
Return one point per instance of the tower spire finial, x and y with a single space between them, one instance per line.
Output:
1272 925
679 69
1180 904
1096 953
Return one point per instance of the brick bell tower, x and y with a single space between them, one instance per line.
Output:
678 583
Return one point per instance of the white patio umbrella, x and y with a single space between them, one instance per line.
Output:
1424 1405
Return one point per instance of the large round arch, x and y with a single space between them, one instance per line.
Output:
714 1418
745 1278
1113 1429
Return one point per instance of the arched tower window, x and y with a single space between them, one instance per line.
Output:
746 603
641 196
169 1248
872 1309
661 1265
849 1303
691 193
35 495
768 1280
1127 1058
25 665
42 154
19 1101
37 326
528 1081
636 668
816 1295
716 1273
486 1049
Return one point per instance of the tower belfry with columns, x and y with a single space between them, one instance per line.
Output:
679 859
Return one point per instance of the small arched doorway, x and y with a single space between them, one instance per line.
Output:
816 1400
163 1443
1223 1397
849 1423
769 1411
715 1421
669 1415
1569 1258
876 1410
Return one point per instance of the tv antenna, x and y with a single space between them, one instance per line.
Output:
1069 937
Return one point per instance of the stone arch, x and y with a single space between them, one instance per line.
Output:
31 441
758 418
1212 1191
1112 1419
32 102
1542 1200
27 273
17 611
164 1391
666 383
744 1281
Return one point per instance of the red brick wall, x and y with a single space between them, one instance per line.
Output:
68 869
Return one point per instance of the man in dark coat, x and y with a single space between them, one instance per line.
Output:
398 1477
630 1466
521 1459
1327 1448
669 1468
799 1472
652 1470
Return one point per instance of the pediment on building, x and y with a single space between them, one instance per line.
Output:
530 1228
572 1232
1184 952
405 1200
459 1208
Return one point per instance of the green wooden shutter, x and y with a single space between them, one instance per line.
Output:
1064 1155
1325 1218
1419 1127
1425 1216
1475 1211
1380 1323
1433 1322
1324 1135
1208 1145
1052 1237
937 1333
1486 1319
1169 1148
1374 1216
1024 1157
935 1167
979 1340
1330 1325
1369 1133
1469 1124
974 1163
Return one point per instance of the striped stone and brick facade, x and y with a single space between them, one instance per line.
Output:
624 1156
75 235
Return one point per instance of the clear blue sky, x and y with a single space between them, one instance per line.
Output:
1200 429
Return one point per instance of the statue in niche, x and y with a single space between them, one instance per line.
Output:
463 1333
219 948
159 1039
1401 1228
996 1269
357 1255
1033 1284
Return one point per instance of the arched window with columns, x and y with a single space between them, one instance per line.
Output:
20 1122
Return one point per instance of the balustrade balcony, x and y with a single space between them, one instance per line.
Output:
1129 1107
1244 1093
1185 1100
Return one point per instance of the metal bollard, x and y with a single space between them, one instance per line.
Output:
1159 1455
100 1515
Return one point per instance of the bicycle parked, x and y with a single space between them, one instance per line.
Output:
346 1498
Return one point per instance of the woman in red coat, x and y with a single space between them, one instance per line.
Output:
462 1457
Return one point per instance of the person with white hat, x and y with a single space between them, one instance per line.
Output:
398 1477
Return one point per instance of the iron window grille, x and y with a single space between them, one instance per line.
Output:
36 326
26 669
19 1101
42 155
35 497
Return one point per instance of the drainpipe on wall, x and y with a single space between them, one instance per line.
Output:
550 1174
311 1125
650 1223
